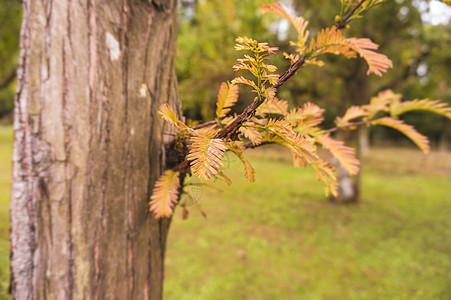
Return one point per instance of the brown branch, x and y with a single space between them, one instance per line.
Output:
206 124
230 130
342 24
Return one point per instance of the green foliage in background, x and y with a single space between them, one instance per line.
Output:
6 140
208 29
206 40
10 19
420 53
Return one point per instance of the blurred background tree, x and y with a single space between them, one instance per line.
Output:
10 19
207 32
418 46
404 30
419 51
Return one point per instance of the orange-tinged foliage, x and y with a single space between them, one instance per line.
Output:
252 134
352 113
377 63
344 154
273 106
165 194
237 149
206 156
420 140
268 119
227 97
298 22
434 106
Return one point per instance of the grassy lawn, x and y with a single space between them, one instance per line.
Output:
6 138
278 238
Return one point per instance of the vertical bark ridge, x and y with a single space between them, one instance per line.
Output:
22 236
129 184
68 179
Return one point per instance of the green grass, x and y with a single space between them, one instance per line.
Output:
278 238
6 138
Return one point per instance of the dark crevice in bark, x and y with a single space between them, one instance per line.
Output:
147 38
67 149
165 6
92 52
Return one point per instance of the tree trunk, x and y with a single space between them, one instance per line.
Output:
356 90
444 137
88 147
364 140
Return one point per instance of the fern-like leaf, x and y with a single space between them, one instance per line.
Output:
209 131
206 156
420 140
352 113
302 147
226 179
279 126
434 106
252 134
164 194
273 106
168 114
298 22
227 97
381 102
326 174
309 115
331 40
377 63
243 80
344 154
237 149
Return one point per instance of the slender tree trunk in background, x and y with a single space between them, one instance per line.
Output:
357 91
88 147
364 140
348 186
444 137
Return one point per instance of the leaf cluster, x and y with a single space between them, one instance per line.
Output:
269 120
386 108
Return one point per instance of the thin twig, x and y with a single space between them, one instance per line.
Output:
230 131
232 128
349 125
342 24
206 124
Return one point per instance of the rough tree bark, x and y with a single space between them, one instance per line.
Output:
89 146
